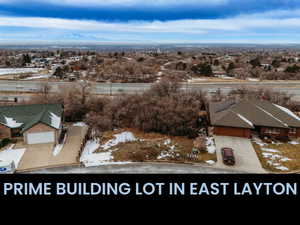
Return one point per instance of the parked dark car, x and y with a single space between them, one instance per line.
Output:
228 156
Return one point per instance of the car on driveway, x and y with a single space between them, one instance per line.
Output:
228 156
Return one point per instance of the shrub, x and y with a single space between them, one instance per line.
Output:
4 142
164 109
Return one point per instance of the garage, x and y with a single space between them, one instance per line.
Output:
41 137
231 131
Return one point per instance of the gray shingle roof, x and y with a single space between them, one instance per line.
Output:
255 112
26 116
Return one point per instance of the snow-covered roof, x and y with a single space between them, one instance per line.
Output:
12 123
26 116
55 120
246 120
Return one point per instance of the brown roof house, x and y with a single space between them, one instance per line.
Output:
36 124
243 118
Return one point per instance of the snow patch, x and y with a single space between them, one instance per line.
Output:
89 158
294 143
269 150
285 159
55 120
252 79
272 116
97 159
9 71
210 162
12 123
37 77
57 149
246 120
289 112
12 155
80 124
225 77
163 155
210 145
167 142
196 80
282 168
258 141
119 138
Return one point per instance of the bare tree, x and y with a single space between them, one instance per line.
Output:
45 90
84 90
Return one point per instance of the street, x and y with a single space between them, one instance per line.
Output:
138 168
291 87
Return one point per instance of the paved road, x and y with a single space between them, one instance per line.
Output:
138 168
291 87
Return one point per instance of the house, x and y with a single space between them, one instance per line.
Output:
242 119
36 124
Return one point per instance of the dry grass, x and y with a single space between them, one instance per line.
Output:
203 157
136 151
285 150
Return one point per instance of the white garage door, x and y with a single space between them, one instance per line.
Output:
40 138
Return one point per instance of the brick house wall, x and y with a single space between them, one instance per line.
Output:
232 131
298 132
5 132
40 127
281 132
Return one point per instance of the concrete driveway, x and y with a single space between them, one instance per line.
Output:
245 155
41 155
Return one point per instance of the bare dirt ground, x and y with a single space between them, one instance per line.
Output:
41 155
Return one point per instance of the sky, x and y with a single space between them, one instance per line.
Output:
150 21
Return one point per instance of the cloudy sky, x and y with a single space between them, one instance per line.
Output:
150 21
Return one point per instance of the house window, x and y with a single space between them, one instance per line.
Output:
293 131
272 131
16 132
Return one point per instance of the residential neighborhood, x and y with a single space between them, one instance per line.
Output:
150 64
231 109
256 134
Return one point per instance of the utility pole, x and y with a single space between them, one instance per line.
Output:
187 86
110 88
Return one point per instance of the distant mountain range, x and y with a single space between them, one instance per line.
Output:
141 47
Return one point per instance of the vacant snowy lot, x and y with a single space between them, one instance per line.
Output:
130 145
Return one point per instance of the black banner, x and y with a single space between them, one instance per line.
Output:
152 187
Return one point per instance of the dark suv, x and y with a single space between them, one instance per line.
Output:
228 156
